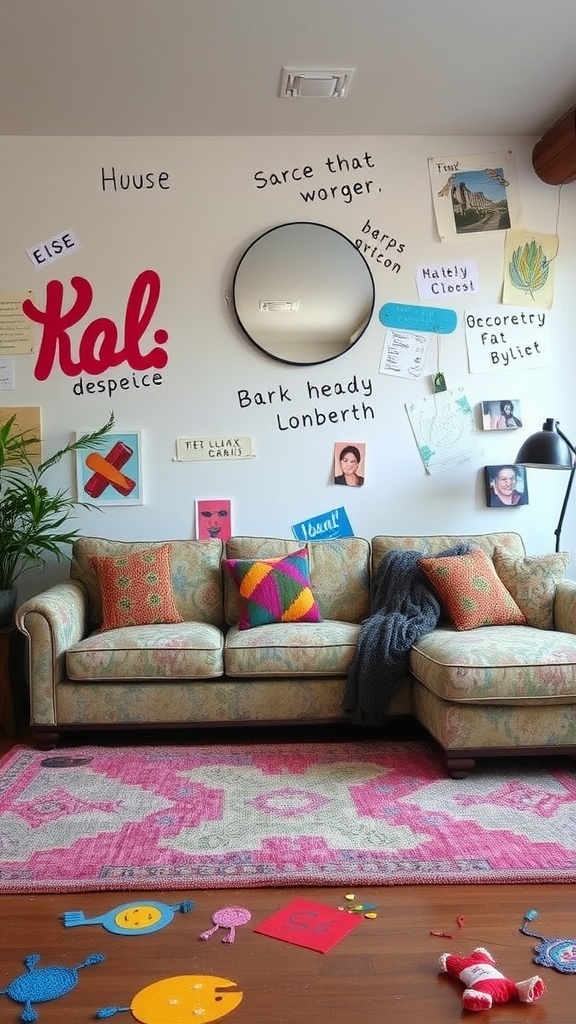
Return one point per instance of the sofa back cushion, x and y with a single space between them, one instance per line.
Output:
339 573
195 571
435 543
532 581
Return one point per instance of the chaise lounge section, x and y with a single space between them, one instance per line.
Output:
497 690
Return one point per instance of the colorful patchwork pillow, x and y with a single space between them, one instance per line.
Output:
532 581
470 590
136 588
273 589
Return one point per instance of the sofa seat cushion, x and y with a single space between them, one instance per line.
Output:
288 649
497 664
187 650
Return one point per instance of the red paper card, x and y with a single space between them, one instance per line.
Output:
309 924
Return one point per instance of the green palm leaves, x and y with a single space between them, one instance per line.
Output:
34 521
529 267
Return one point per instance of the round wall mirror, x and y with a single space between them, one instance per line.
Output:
303 293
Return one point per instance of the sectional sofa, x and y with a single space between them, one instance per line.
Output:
489 691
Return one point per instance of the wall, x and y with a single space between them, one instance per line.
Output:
207 202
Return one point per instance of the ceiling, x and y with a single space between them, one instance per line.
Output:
213 67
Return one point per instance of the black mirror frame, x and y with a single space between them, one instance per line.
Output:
258 345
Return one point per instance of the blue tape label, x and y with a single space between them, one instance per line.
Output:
418 318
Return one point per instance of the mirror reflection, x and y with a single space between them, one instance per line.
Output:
303 293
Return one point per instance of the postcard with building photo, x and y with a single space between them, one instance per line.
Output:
502 414
473 194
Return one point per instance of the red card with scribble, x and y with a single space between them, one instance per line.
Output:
309 924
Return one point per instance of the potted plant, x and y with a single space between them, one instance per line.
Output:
34 521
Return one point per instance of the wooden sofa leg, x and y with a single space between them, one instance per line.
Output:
45 739
459 767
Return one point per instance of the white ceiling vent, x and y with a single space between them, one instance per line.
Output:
296 82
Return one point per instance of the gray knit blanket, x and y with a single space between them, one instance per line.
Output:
403 608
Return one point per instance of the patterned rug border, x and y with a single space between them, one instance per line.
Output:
174 877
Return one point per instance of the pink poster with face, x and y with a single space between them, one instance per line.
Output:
213 519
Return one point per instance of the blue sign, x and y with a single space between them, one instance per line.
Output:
324 527
418 318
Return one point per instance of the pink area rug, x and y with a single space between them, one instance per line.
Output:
199 817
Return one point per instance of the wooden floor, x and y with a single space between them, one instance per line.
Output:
385 970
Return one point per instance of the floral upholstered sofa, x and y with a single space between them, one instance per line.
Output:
491 690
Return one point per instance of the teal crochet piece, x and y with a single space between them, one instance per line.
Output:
559 953
39 984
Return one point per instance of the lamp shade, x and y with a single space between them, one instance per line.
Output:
546 450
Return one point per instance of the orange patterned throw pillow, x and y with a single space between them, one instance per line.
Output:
471 591
136 588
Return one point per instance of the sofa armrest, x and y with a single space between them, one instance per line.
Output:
52 622
565 606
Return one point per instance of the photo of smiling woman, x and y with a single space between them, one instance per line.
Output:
506 486
349 464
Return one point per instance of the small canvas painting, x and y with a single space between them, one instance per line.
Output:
506 486
213 519
111 475
501 414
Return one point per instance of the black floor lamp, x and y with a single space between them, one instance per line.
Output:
550 449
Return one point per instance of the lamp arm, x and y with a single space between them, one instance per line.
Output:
558 529
565 439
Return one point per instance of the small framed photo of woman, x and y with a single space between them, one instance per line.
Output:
349 463
501 414
506 486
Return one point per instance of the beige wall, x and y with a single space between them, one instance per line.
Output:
191 232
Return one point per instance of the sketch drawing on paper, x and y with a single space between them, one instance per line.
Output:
443 427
